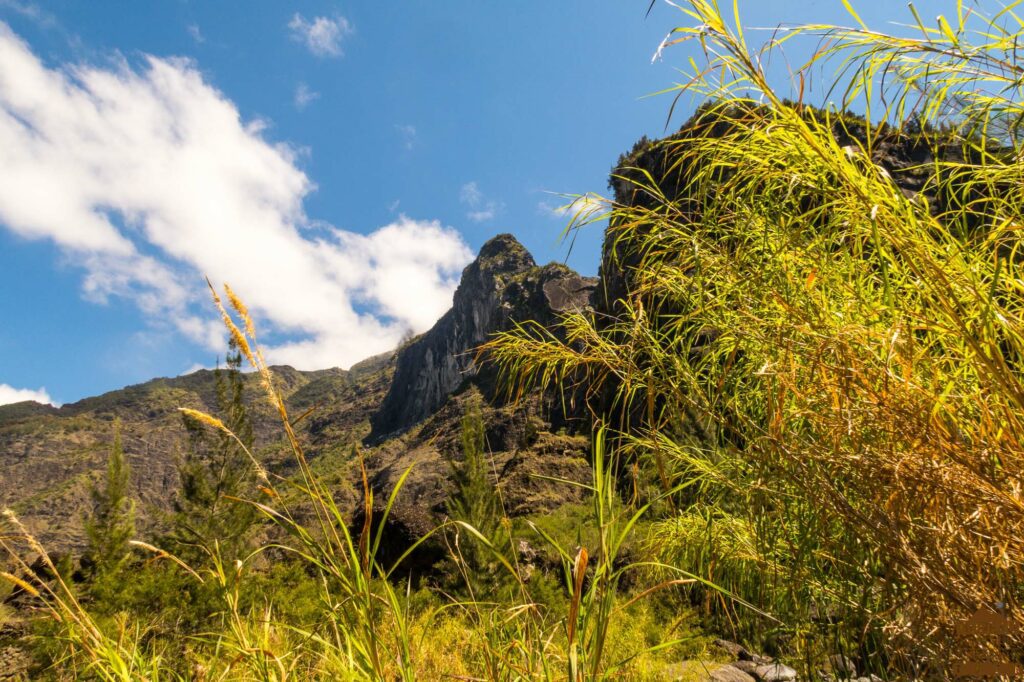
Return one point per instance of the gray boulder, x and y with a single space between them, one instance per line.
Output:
774 672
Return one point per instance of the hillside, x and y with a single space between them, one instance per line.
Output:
50 457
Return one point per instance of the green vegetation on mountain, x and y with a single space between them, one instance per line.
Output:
789 413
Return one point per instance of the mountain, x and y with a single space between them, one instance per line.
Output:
501 286
405 407
402 408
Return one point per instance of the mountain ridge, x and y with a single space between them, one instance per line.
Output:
50 456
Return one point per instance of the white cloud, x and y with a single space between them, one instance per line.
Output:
481 209
304 96
321 35
9 394
149 179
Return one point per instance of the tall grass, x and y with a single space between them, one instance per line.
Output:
366 626
89 651
835 359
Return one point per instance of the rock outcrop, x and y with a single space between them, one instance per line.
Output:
503 285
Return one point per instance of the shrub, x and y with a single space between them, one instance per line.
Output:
826 339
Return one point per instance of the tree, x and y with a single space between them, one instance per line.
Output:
215 473
475 500
111 522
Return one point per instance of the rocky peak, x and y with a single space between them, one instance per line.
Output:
501 258
502 285
504 252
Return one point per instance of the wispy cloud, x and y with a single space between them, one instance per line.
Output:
9 394
321 35
582 207
304 96
480 208
197 35
408 134
470 194
29 10
148 179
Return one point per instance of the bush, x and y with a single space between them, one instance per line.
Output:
820 327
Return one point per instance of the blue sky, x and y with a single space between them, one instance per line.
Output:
337 162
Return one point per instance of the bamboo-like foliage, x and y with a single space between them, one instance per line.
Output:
838 357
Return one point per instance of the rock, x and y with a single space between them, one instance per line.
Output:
434 365
14 664
842 666
774 672
735 650
703 671
728 673
745 666
747 655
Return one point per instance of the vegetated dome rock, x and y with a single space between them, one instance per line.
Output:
906 154
502 286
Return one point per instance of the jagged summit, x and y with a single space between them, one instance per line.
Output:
504 284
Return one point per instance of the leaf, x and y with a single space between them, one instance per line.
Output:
853 13
947 30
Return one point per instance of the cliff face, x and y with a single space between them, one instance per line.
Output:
501 286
